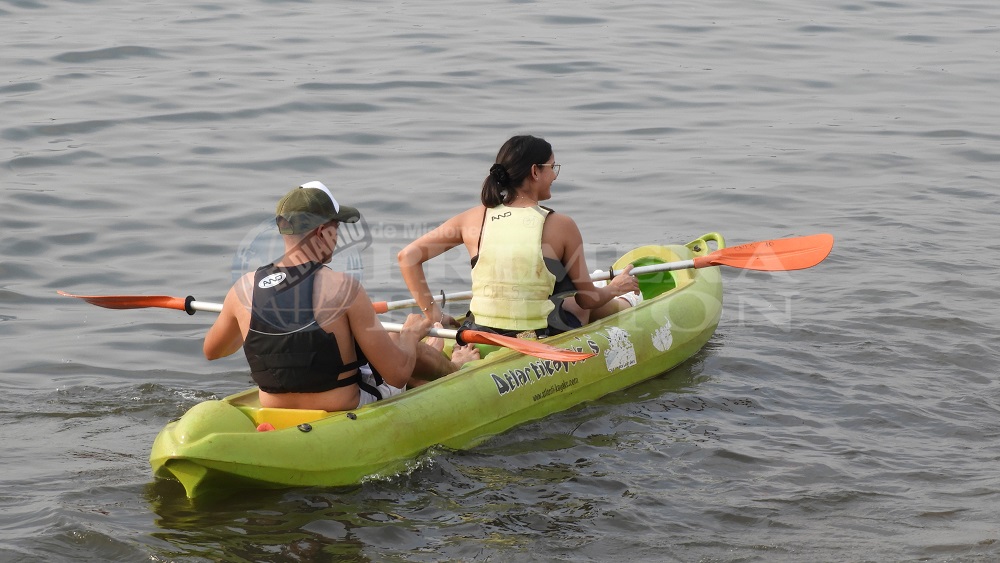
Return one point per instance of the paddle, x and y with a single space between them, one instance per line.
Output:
796 253
191 306
188 304
529 347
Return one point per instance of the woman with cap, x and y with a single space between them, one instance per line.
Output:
529 275
310 334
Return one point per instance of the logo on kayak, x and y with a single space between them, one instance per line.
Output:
662 338
620 353
272 280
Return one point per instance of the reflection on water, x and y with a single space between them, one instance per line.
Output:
306 527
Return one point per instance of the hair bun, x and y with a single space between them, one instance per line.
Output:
499 173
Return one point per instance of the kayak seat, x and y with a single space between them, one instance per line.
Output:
656 283
282 418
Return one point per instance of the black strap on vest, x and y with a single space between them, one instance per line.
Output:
370 389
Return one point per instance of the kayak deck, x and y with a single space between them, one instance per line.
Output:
216 444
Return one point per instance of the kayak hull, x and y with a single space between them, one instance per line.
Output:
216 445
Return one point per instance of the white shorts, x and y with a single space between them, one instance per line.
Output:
385 390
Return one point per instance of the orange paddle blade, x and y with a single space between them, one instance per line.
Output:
529 347
772 255
133 301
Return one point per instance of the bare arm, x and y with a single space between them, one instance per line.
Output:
225 337
462 228
567 242
393 360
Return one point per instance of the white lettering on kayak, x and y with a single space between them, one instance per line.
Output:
272 280
556 389
535 371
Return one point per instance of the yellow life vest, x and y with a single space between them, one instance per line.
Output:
510 283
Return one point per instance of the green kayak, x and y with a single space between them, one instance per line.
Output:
216 446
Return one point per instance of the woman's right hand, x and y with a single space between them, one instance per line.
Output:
624 282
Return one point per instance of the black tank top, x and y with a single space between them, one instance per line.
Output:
287 350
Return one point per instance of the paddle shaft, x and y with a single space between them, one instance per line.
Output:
386 306
446 333
210 307
652 268
206 306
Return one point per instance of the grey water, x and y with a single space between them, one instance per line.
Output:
849 412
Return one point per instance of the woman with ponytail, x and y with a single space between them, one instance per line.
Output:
529 275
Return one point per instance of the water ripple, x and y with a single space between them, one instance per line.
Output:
109 54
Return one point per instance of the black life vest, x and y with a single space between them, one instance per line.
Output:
287 350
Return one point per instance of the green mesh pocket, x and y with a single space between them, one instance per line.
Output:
654 283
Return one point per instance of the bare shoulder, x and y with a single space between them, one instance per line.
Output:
472 217
560 220
561 227
242 290
330 282
334 293
464 227
560 236
245 283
